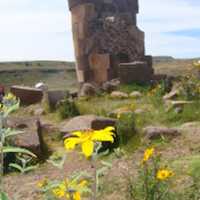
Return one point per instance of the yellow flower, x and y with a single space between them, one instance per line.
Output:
118 115
9 97
77 196
164 174
147 154
60 190
69 189
88 138
42 183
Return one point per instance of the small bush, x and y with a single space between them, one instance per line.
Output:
66 108
190 88
125 127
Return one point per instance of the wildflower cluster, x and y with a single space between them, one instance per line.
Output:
153 179
161 173
68 189
9 104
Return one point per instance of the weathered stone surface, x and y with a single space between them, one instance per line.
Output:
110 86
153 132
119 95
100 64
135 94
27 95
87 89
31 138
105 34
55 96
86 122
135 72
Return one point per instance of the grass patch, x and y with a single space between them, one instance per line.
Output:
128 88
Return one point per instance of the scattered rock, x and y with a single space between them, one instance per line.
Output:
110 86
119 95
27 95
153 132
31 137
86 122
177 104
171 95
135 94
55 96
87 89
119 111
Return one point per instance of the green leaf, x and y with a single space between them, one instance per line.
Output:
9 132
10 149
107 164
16 166
3 196
30 168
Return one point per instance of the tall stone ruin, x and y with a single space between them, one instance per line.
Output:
108 44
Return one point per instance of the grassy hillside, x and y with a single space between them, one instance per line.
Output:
61 75
58 75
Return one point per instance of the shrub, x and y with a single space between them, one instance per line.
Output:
190 88
67 108
153 181
125 127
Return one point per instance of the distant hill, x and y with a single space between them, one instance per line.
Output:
34 65
162 58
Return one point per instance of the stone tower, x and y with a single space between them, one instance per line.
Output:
108 44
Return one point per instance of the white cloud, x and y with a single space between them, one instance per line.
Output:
41 29
158 17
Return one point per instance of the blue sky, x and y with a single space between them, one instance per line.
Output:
41 29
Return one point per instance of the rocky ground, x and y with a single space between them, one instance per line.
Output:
165 116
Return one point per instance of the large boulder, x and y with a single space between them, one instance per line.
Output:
154 132
86 122
31 137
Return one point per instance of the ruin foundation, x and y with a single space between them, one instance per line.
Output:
108 44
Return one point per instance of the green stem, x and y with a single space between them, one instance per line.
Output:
1 157
146 182
94 188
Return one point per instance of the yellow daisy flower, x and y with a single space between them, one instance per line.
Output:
9 97
147 154
60 190
164 174
42 183
88 138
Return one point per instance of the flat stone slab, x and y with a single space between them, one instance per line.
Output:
31 137
85 122
153 132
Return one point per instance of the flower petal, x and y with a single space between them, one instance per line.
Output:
88 148
109 128
70 143
103 136
77 196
